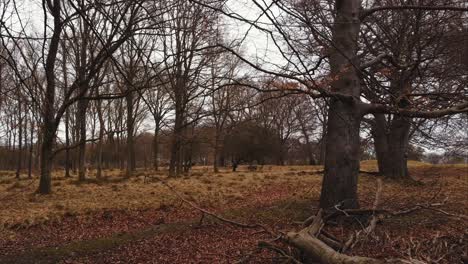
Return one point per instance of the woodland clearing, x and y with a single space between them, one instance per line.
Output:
140 220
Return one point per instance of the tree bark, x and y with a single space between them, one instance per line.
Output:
45 186
20 140
175 162
216 152
130 140
391 145
67 113
31 149
83 103
81 117
101 139
342 146
156 148
49 125
398 147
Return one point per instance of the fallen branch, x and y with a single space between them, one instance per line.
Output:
354 238
306 240
204 211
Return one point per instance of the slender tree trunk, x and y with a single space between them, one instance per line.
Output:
67 144
31 149
281 154
81 117
37 154
339 185
75 153
130 140
156 148
322 145
20 141
67 112
216 152
310 153
101 138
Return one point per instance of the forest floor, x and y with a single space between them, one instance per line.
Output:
140 220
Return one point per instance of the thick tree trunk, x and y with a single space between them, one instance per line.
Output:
391 146
380 136
342 160
49 125
45 186
176 153
398 147
342 146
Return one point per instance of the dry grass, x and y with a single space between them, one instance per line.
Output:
118 228
21 206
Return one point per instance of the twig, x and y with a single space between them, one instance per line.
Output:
267 245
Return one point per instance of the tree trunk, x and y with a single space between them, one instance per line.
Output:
67 144
398 147
81 117
216 152
130 140
50 126
101 139
156 148
45 186
174 165
20 142
310 152
30 159
391 146
67 112
342 157
342 146
83 103
281 153
380 136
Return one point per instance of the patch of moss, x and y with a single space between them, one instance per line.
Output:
85 247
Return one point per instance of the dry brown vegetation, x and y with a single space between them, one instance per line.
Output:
140 220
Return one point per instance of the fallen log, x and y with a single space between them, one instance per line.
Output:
307 242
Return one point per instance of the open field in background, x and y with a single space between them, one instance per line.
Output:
141 220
